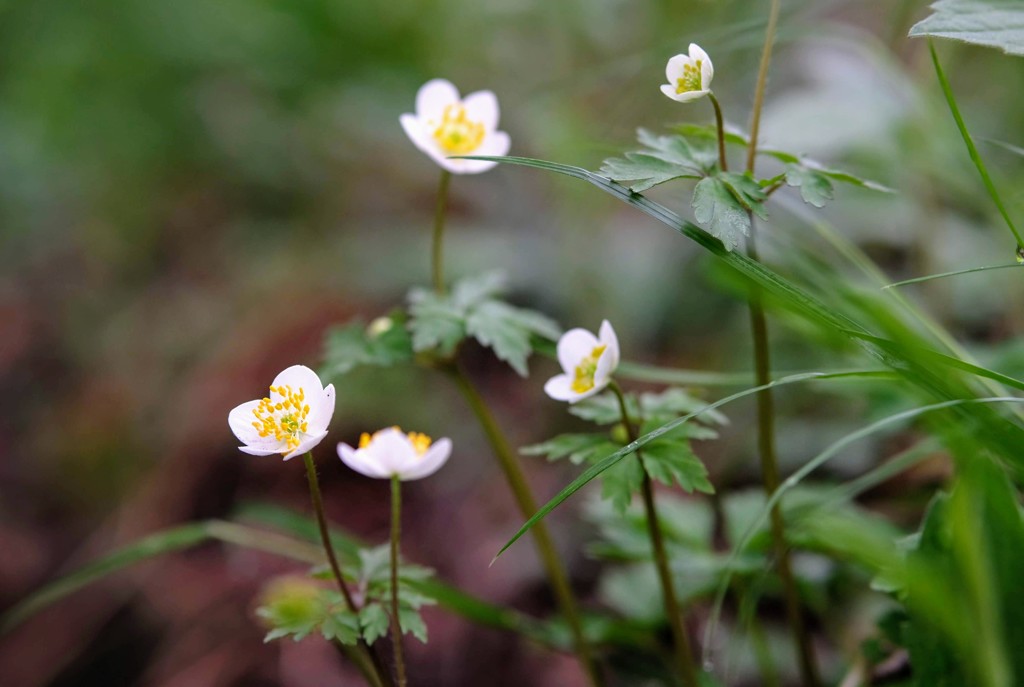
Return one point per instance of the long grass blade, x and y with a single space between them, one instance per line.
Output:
972 150
793 480
605 463
955 273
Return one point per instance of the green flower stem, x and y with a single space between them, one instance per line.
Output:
766 399
762 79
720 123
683 654
396 535
367 661
527 507
972 150
437 246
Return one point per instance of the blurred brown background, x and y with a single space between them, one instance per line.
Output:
192 193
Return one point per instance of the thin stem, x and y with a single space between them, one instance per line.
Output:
683 654
365 660
770 478
762 79
396 535
766 399
972 150
528 506
437 246
720 123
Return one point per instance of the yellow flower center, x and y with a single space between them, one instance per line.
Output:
457 133
285 418
583 380
420 442
690 80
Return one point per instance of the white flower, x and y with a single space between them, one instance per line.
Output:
444 125
587 362
291 420
689 76
391 452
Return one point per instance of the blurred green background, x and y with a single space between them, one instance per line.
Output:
192 193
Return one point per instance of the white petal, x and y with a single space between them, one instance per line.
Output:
431 461
605 367
559 388
674 68
256 451
419 134
687 96
496 143
433 97
482 107
300 377
416 131
607 337
357 461
697 53
575 345
240 421
670 91
707 73
392 451
307 443
321 410
596 389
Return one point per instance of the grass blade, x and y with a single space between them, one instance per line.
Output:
943 275
793 480
972 150
609 461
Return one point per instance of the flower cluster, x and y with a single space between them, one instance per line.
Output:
293 418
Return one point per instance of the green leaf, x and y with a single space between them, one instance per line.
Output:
645 170
577 447
341 625
436 323
672 460
507 331
665 158
603 409
673 402
620 482
991 23
385 343
815 188
471 291
374 621
715 207
441 322
412 623
747 191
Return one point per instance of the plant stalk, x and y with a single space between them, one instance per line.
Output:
762 80
396 535
528 506
437 245
683 654
770 479
367 661
723 162
766 400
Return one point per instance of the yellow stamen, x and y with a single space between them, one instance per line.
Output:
583 379
457 134
420 442
690 80
285 420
